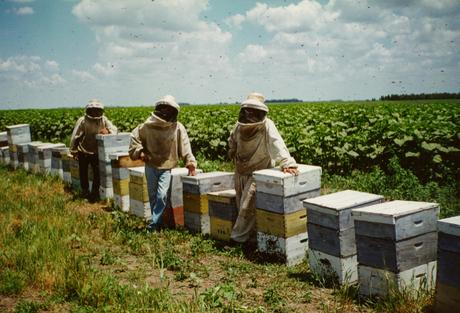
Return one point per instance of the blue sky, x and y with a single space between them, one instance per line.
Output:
60 53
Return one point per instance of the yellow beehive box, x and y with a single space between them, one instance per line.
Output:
281 225
195 203
221 229
138 192
121 187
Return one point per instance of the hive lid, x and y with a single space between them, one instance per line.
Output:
389 212
137 171
195 180
450 225
278 174
230 193
341 200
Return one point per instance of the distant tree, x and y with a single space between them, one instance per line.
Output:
422 96
282 100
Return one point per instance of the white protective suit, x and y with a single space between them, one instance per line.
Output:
163 143
254 147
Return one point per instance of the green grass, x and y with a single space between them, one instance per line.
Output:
59 254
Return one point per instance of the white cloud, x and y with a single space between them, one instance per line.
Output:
83 75
141 41
31 71
22 1
235 20
24 11
305 16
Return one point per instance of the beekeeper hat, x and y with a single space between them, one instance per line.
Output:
168 100
95 103
254 104
257 96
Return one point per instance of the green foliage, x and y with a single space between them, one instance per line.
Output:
25 306
11 282
398 183
340 137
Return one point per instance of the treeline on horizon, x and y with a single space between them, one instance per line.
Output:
422 96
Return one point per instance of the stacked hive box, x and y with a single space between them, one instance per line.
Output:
17 134
121 162
106 145
281 219
138 193
23 154
66 174
5 155
448 276
396 245
4 149
195 190
3 139
75 173
222 213
44 156
331 233
173 215
57 154
33 157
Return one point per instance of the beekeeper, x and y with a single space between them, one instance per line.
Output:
254 144
161 141
83 145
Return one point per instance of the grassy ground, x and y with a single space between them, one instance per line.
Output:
59 253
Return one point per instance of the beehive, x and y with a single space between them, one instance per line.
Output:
107 145
57 154
138 194
195 199
332 235
280 214
222 212
448 275
395 239
44 156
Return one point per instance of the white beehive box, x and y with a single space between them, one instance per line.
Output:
379 282
203 183
396 235
291 250
18 134
330 224
344 270
448 276
274 181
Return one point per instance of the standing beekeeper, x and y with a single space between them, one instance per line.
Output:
254 144
83 145
161 141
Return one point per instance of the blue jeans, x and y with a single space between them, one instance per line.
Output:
158 182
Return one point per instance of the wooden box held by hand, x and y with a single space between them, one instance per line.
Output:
273 181
112 143
203 183
448 276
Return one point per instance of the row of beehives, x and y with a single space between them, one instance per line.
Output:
350 236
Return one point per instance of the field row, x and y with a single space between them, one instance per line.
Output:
339 137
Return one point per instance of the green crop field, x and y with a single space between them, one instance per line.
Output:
59 253
340 137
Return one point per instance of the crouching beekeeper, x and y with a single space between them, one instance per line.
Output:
161 141
254 144
83 145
